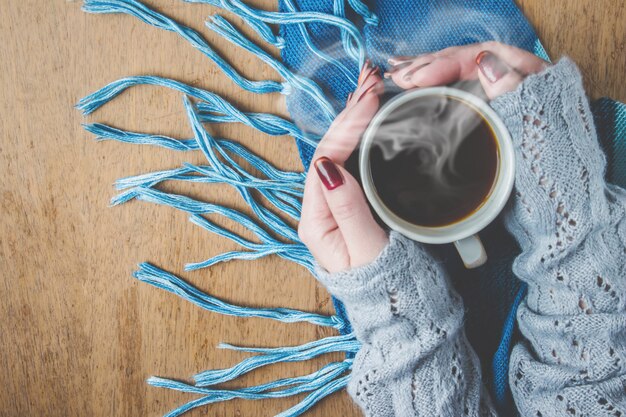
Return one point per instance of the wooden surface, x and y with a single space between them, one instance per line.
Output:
78 336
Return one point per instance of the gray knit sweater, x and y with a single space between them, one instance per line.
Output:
415 359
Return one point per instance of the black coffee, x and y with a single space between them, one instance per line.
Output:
434 161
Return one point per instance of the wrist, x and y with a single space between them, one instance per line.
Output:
364 280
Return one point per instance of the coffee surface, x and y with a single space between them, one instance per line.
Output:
434 161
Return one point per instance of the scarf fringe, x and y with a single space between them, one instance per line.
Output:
212 108
164 280
269 356
223 28
282 189
356 48
151 17
258 18
320 382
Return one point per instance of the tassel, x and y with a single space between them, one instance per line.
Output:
340 10
360 8
315 397
223 28
211 103
295 252
151 17
348 340
312 382
245 12
356 50
104 132
269 390
161 279
280 196
270 356
298 252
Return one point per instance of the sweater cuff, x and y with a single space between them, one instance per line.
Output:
402 296
364 282
548 85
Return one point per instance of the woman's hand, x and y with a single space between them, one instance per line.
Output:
336 223
500 68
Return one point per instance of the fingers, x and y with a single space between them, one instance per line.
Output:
496 76
364 238
327 246
317 228
459 63
345 132
341 139
440 71
402 71
522 61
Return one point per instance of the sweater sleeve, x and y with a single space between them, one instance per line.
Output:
570 225
415 359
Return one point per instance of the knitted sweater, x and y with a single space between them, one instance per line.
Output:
415 359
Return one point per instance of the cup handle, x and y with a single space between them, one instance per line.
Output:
472 251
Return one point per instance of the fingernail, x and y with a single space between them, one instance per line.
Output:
409 74
398 61
328 173
397 67
349 97
395 60
491 66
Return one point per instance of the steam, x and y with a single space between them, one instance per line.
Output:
432 129
432 28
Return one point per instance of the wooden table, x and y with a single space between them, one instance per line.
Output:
78 335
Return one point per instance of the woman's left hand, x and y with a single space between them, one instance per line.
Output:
500 68
336 223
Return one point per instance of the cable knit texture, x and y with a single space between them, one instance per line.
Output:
415 359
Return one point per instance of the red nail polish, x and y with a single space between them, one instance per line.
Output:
491 66
328 173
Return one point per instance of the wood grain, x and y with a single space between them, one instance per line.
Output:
78 335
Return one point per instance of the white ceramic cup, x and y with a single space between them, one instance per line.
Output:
462 233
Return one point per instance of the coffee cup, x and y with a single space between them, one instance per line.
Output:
463 230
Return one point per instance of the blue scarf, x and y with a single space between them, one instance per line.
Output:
491 293
323 45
